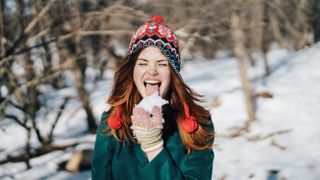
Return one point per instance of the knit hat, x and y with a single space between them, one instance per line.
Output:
156 33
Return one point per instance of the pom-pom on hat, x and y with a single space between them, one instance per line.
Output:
156 33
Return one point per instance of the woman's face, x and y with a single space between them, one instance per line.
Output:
151 72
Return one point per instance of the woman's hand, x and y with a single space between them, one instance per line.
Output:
157 116
143 119
147 129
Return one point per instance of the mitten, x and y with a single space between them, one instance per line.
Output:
147 129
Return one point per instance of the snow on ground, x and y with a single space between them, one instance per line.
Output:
290 117
294 110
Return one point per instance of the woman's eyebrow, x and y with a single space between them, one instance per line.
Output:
161 60
142 59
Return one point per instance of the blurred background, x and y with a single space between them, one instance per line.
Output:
255 61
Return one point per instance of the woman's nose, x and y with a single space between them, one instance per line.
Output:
153 71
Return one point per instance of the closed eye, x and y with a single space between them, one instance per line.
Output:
142 62
163 64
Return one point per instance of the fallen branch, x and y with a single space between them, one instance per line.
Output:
276 144
238 131
37 152
259 137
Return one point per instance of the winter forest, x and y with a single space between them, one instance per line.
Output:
255 61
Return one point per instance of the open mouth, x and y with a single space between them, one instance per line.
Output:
152 86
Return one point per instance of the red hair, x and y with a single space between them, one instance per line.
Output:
125 94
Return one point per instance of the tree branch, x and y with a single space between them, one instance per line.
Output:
16 119
54 72
39 16
57 118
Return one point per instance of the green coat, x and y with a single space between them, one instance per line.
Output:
115 160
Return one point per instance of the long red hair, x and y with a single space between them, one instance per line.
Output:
125 94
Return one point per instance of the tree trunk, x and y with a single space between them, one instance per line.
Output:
267 37
250 56
239 51
266 64
274 25
28 149
315 15
254 22
1 30
302 22
80 65
84 96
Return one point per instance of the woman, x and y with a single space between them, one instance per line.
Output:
169 142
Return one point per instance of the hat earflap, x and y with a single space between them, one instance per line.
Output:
115 121
189 124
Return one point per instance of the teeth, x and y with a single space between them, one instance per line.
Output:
152 82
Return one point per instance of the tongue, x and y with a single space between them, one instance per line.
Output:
152 89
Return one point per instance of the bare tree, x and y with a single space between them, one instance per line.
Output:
239 51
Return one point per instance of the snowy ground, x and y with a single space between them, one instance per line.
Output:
287 123
294 110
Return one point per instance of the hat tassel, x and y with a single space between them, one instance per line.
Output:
115 121
189 124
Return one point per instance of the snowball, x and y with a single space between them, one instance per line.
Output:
148 102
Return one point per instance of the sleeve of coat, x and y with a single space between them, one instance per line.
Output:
197 165
102 154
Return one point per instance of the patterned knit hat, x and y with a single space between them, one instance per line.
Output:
156 33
